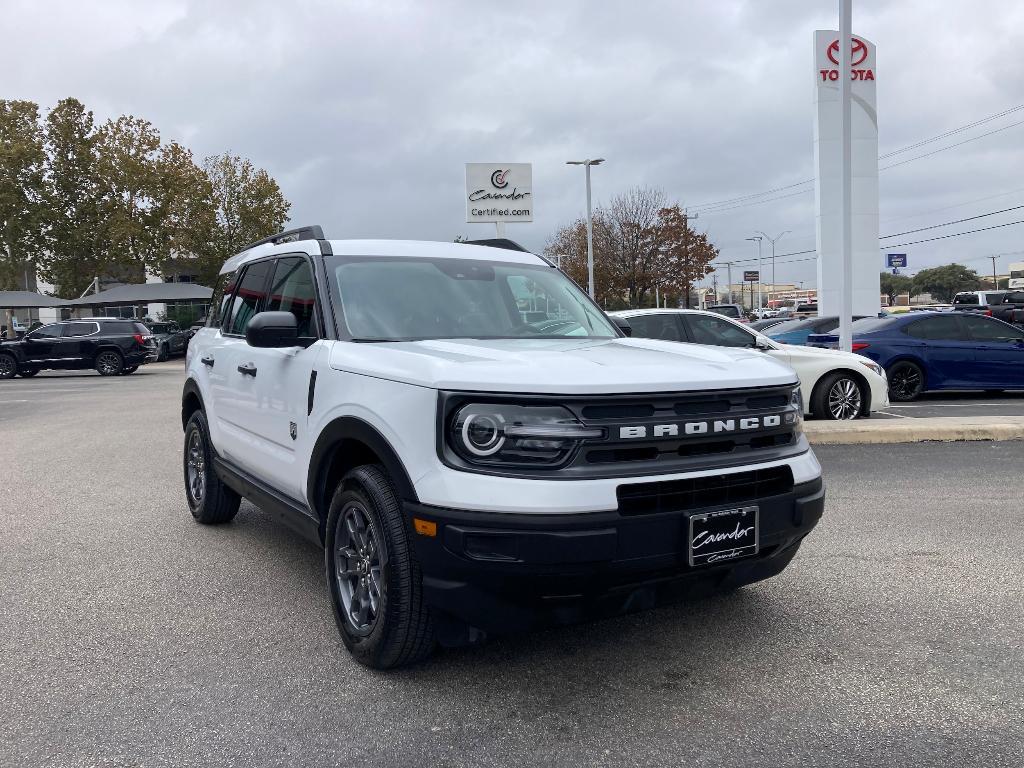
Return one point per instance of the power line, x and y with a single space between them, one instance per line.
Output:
950 207
951 146
953 132
948 223
955 234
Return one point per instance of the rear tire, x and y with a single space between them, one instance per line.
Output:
8 367
838 397
129 370
28 374
210 501
906 381
109 363
373 575
163 354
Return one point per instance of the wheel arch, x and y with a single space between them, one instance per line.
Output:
345 443
191 401
860 378
909 358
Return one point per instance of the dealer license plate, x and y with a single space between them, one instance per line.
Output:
718 537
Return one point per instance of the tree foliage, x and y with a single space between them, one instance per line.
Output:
79 200
944 282
642 245
895 285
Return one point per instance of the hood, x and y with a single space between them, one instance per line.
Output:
561 366
820 353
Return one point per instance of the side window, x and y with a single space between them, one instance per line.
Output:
981 329
292 290
656 326
946 328
46 332
720 333
249 297
79 329
221 299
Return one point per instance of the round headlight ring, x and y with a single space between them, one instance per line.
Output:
483 434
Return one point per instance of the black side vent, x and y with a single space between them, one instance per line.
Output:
700 492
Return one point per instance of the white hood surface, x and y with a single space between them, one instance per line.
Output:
561 366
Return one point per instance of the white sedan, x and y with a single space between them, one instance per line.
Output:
835 385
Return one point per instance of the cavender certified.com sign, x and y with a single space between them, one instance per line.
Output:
499 192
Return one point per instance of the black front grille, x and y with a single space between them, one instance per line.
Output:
701 492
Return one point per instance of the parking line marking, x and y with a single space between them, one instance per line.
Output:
897 415
8 402
955 405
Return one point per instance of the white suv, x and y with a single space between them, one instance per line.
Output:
477 446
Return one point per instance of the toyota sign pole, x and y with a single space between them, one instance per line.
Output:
846 183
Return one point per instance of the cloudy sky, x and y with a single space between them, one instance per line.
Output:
366 111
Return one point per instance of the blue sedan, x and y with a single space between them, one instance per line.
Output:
941 350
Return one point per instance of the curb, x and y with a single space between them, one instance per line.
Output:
944 429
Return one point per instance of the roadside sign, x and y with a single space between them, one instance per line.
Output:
895 260
751 276
499 192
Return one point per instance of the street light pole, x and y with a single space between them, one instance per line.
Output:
774 240
758 238
590 223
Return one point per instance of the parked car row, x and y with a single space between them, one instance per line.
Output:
112 347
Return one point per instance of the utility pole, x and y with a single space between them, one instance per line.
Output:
758 238
728 268
995 277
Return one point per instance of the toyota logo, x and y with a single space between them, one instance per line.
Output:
498 180
859 53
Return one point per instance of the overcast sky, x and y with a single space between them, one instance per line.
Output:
365 112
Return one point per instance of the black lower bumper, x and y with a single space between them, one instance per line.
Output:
496 573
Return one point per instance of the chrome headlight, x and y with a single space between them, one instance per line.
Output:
494 433
875 367
796 416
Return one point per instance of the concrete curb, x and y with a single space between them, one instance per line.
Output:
945 429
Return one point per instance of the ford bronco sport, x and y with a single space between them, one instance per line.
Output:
477 447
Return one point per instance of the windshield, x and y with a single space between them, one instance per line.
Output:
407 299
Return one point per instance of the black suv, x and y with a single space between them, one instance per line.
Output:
112 347
169 339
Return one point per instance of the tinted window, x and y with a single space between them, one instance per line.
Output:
118 327
992 298
940 328
250 296
1017 297
719 333
46 332
728 311
966 298
221 299
984 329
870 324
657 326
292 290
79 329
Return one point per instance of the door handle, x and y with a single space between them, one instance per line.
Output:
206 361
247 370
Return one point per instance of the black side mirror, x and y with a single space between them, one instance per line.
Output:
272 330
622 324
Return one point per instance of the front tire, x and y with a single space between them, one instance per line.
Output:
373 575
109 363
906 381
129 370
838 397
8 367
211 502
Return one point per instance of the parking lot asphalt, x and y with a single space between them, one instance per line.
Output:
943 404
129 635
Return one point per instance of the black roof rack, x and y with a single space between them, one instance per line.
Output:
290 236
500 242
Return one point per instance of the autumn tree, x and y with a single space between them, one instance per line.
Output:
568 248
22 198
686 255
248 206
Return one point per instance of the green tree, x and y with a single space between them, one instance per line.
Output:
943 282
184 214
22 193
248 205
895 285
75 255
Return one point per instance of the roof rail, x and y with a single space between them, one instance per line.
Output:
501 242
290 236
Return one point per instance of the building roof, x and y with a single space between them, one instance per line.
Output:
144 293
28 300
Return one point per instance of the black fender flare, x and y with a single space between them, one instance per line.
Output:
188 391
352 428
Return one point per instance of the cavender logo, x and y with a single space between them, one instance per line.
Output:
499 178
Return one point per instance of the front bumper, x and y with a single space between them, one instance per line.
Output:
485 572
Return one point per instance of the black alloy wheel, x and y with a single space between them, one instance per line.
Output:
210 501
358 568
109 363
8 367
906 381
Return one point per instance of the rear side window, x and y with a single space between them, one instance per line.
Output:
250 296
941 328
221 300
292 290
1014 298
120 327
79 329
984 329
658 326
965 298
140 328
